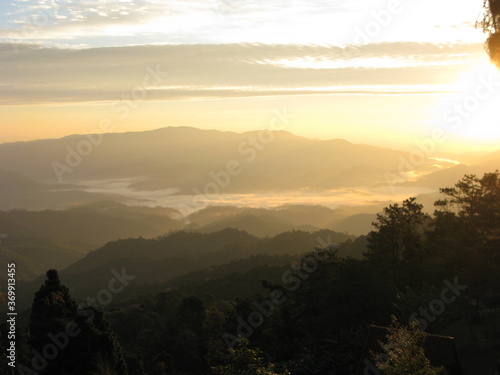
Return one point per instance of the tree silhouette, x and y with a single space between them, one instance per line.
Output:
491 25
191 314
477 202
397 244
403 352
52 310
244 360
67 339
467 228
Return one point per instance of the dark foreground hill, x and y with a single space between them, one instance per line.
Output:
155 261
39 240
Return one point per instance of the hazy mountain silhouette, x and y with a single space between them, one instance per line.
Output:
359 224
89 225
152 165
33 256
448 177
291 214
254 225
179 253
18 191
182 157
268 222
39 240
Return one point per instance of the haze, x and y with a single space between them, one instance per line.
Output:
362 71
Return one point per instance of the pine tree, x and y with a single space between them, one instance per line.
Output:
403 353
70 340
397 244
51 311
243 360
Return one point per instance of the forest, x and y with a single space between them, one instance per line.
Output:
284 310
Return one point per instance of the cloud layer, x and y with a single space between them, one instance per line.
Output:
35 74
126 22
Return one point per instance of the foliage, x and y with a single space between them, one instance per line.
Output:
90 347
243 360
467 232
477 202
176 326
491 25
403 352
491 16
397 244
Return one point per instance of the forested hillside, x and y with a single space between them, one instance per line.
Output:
299 308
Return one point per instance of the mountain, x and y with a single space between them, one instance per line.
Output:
186 158
179 253
39 240
34 256
357 225
90 225
18 191
254 225
290 214
269 222
143 214
449 177
478 157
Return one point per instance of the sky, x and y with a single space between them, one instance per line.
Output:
382 72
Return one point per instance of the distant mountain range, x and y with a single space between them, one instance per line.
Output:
448 177
58 173
269 222
20 192
159 260
84 191
182 157
144 167
38 240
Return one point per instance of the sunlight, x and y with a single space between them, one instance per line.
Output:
366 62
215 155
480 87
485 125
483 68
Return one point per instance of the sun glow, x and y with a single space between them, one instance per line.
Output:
365 62
481 96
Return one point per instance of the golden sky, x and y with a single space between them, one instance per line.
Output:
381 72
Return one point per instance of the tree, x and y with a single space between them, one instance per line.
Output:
398 243
467 233
477 202
243 360
71 340
491 25
191 314
51 311
403 352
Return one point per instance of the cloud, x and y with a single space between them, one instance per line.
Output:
55 20
114 22
36 74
